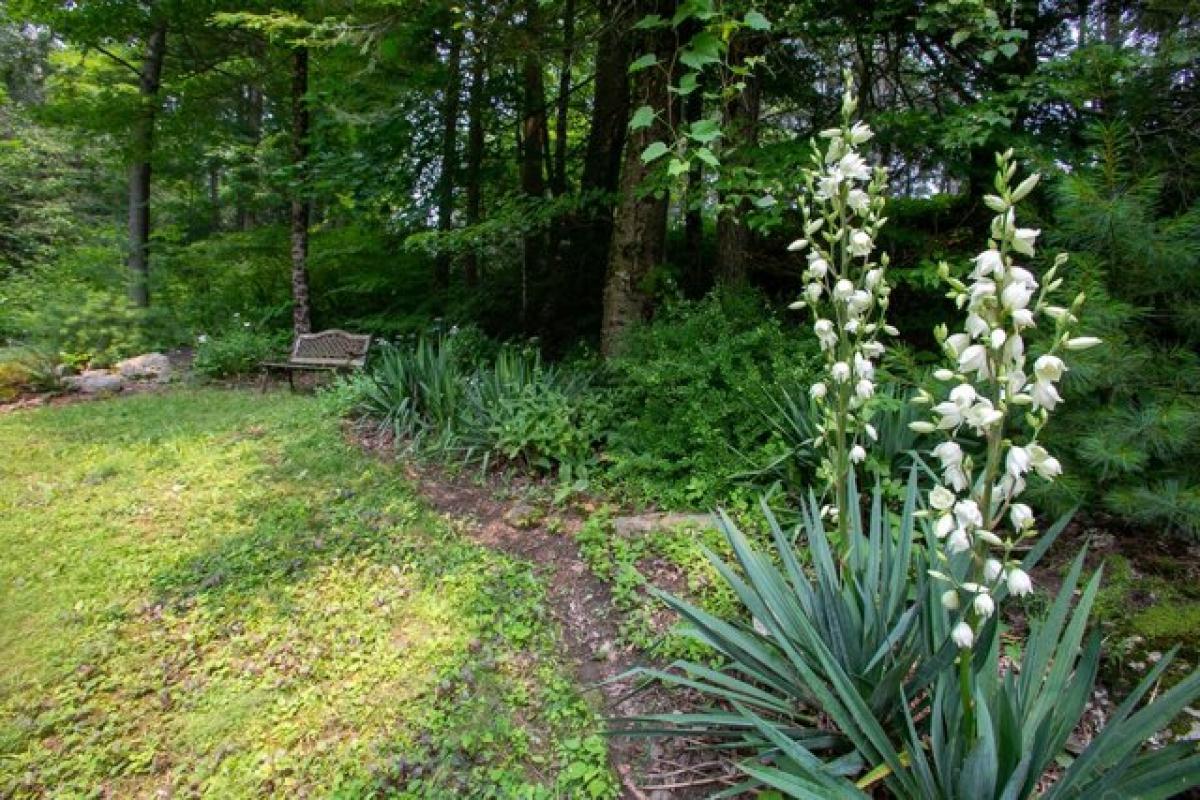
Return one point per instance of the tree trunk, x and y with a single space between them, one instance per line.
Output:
741 125
533 141
476 107
247 216
590 234
640 219
559 181
446 177
610 101
301 310
693 221
149 81
214 195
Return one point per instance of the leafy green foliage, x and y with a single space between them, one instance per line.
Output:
860 647
75 308
624 562
302 623
237 351
813 630
435 397
26 369
1132 421
685 394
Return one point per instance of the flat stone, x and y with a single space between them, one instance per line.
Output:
641 524
148 366
523 516
96 381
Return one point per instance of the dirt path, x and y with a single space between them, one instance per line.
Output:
582 606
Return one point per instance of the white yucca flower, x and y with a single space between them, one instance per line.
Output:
996 396
846 286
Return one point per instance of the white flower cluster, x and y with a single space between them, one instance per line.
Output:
991 389
845 285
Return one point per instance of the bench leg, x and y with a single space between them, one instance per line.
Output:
292 379
263 377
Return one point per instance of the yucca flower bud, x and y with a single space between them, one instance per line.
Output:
1019 583
963 636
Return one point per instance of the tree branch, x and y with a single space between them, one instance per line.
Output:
119 60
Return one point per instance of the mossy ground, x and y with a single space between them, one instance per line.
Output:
1147 606
209 593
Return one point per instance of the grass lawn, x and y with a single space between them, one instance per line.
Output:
208 594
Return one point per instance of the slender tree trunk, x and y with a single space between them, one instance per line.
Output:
301 308
1113 34
559 182
533 142
476 106
693 221
446 177
640 219
591 233
149 82
610 100
214 195
741 125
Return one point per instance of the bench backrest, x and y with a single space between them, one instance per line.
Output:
331 348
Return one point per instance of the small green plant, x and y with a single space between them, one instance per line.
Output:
237 351
684 397
510 407
25 369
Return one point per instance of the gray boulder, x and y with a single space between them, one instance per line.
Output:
96 381
148 366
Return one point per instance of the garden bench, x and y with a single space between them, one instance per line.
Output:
326 351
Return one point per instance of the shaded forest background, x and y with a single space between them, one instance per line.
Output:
611 177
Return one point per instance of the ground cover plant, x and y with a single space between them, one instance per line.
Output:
210 592
437 395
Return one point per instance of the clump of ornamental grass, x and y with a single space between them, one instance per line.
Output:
894 635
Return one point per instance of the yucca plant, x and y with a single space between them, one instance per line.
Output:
854 618
1022 718
907 677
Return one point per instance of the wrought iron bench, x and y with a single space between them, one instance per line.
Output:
327 351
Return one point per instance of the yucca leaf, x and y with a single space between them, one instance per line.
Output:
814 779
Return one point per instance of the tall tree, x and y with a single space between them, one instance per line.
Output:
142 149
449 165
693 220
601 168
640 218
533 145
301 201
476 108
741 113
559 177
252 109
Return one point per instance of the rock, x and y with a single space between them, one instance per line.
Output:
647 523
148 366
524 516
96 381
